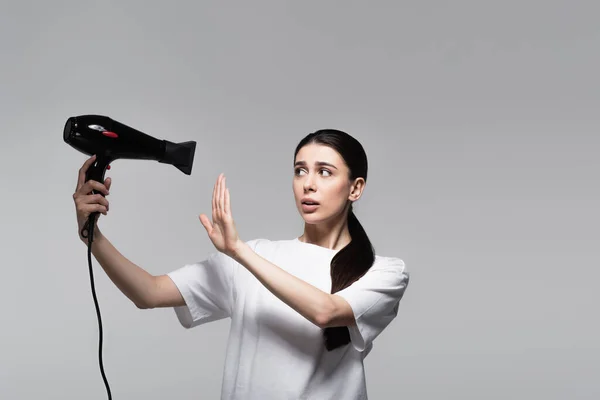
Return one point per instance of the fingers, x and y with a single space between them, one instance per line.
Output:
89 186
224 196
95 199
227 202
92 203
214 202
220 202
220 198
83 170
90 208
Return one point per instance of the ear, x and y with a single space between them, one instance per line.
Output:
356 189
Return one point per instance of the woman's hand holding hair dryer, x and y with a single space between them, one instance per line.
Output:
86 202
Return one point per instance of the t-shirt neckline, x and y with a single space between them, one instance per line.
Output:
315 246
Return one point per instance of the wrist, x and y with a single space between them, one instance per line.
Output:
238 253
97 236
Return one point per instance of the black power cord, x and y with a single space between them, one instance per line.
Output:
90 223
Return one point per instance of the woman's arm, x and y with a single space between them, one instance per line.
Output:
321 308
142 288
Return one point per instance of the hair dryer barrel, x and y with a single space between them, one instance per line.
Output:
180 155
111 140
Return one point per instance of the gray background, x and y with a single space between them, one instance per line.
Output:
480 121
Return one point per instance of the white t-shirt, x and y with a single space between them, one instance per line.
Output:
273 352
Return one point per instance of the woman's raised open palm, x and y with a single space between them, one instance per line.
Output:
222 231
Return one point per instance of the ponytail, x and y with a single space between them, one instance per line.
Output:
347 266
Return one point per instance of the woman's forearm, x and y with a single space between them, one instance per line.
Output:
135 283
309 301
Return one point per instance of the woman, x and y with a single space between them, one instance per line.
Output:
304 312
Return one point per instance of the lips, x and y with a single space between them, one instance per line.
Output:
309 201
309 208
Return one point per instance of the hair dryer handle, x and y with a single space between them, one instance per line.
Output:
97 170
96 173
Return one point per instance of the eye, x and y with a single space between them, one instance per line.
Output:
297 171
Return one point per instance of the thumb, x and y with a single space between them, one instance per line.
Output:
107 183
205 222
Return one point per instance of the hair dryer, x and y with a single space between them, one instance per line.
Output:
111 140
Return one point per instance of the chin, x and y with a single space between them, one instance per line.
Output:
312 218
309 218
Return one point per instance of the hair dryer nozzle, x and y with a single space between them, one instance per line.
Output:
180 155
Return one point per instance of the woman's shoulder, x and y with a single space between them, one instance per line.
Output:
389 263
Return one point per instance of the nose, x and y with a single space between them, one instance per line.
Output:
309 184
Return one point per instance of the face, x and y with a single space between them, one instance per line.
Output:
321 175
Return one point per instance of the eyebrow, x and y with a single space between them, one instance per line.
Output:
319 163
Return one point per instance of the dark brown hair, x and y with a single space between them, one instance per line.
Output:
354 260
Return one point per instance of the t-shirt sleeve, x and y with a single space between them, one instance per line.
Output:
207 288
375 299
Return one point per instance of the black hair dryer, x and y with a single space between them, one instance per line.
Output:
111 140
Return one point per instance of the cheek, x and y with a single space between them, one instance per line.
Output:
337 196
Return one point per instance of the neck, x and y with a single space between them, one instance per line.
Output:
332 235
